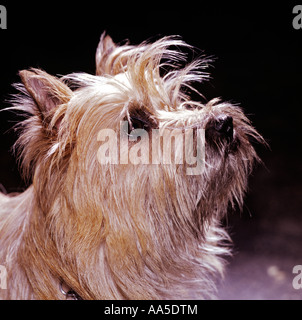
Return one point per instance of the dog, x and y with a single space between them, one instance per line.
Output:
101 219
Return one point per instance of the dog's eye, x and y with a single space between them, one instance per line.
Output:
138 123
140 119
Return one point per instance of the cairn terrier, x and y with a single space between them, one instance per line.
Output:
108 215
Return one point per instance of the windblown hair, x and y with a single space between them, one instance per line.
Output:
120 231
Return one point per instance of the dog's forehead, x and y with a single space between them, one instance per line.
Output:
122 78
113 85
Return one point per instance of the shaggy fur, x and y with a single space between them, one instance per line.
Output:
125 231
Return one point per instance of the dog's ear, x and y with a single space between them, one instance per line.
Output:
47 91
105 48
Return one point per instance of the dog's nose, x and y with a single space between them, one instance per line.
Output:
224 126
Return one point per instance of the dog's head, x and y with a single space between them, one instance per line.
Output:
138 93
131 157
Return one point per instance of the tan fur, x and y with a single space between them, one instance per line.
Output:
119 231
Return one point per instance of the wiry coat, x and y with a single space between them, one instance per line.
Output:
119 231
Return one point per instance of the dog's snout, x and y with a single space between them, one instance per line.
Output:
225 127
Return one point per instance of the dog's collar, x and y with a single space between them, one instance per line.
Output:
68 292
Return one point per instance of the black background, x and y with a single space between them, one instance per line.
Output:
258 65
